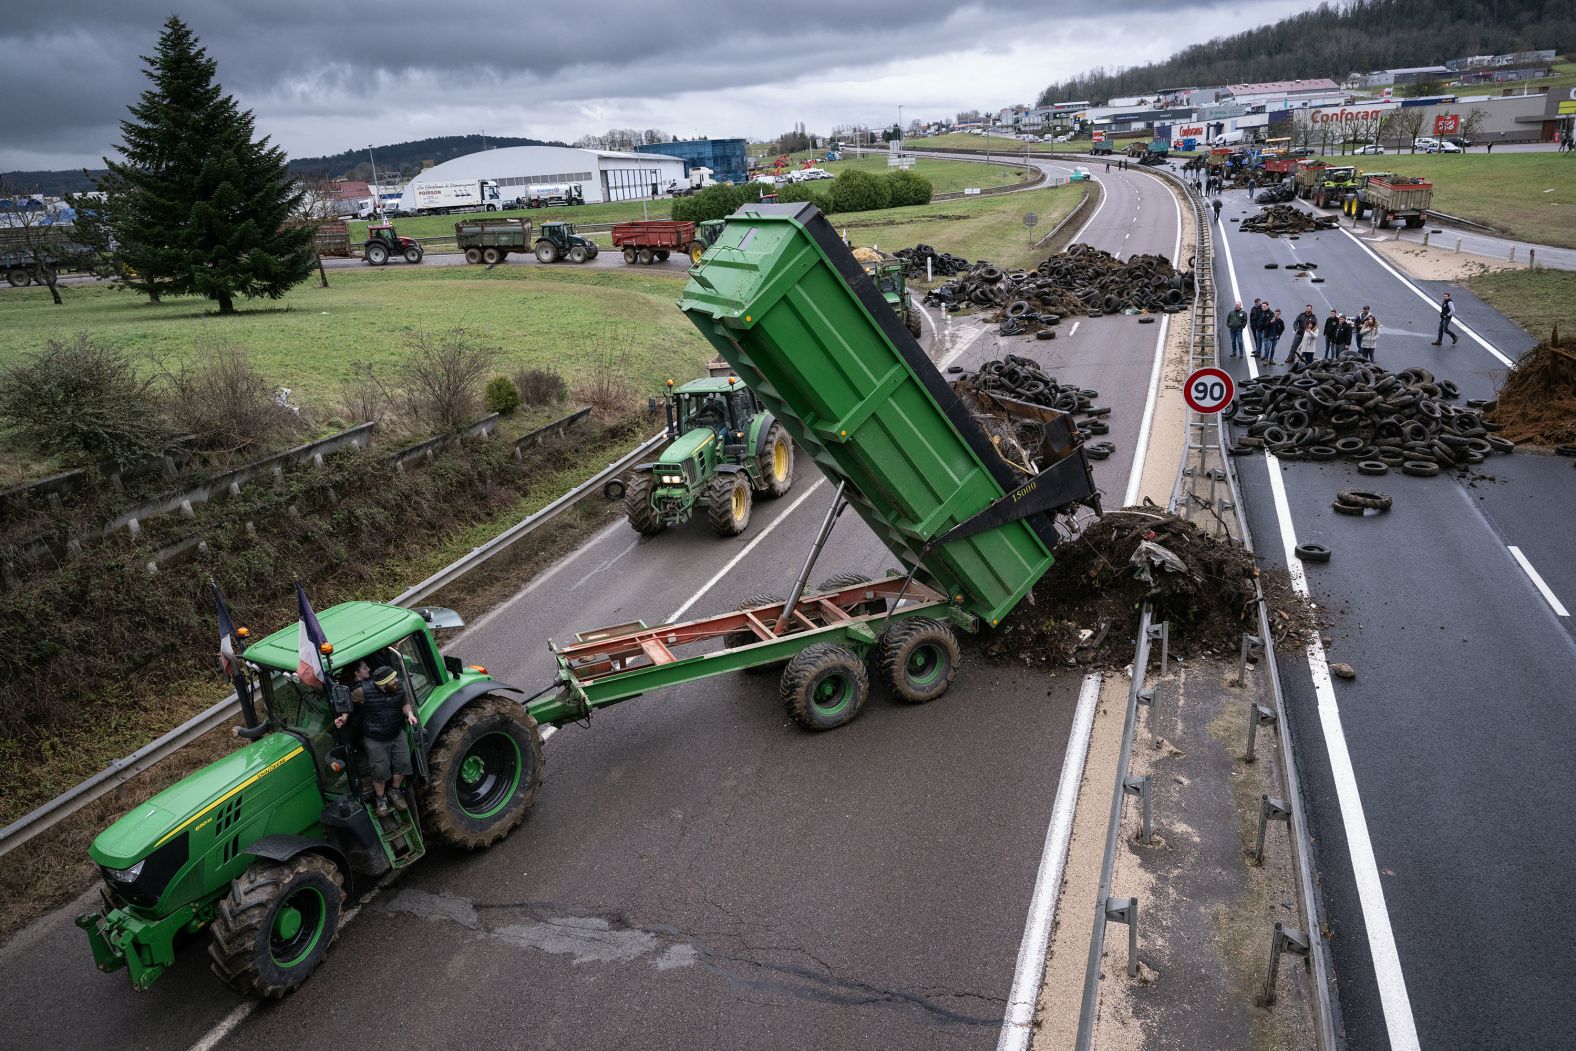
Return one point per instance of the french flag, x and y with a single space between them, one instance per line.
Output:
309 642
227 662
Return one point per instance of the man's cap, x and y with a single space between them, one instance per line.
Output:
384 676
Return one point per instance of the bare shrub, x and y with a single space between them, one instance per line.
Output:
367 398
226 404
607 389
443 376
541 387
83 400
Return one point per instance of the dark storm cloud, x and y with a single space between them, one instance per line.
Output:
77 64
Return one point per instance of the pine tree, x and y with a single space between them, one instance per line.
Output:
196 206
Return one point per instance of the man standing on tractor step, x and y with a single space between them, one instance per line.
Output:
382 700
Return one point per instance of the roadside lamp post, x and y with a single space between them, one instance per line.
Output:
900 125
377 201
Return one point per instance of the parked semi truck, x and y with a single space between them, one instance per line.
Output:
555 195
491 240
264 845
440 198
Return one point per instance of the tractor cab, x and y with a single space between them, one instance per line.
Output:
890 276
727 410
556 241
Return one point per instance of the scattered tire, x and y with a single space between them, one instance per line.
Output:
1272 266
1098 427
276 925
1373 467
614 489
637 505
1419 468
1146 321
1364 498
1347 509
486 765
918 659
1565 450
1045 333
824 686
1313 552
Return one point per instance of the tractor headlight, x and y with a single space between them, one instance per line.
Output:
127 875
673 479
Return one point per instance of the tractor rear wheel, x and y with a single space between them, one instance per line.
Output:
637 505
729 498
911 322
546 252
824 686
377 254
491 256
630 256
918 659
276 925
473 255
578 254
774 463
414 253
485 768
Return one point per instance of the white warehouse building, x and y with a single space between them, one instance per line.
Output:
601 175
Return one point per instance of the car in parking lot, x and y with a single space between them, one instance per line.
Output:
1304 151
1371 150
1424 144
1444 147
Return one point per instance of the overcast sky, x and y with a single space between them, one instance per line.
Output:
325 77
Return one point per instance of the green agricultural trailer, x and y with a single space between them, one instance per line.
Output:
265 845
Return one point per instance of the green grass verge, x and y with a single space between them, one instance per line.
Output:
962 140
1537 300
1526 196
549 317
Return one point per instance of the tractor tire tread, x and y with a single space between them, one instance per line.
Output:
897 646
637 505
447 751
719 504
803 669
239 919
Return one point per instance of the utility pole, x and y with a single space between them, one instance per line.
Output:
377 201
900 127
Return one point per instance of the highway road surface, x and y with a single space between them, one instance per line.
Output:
697 872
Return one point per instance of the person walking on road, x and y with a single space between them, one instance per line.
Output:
1332 325
1447 314
1236 321
1216 205
1273 330
1368 337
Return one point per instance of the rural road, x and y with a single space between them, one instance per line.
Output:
696 868
1427 777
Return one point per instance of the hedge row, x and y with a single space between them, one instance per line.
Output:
852 191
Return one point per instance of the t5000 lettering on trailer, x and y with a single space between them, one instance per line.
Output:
795 315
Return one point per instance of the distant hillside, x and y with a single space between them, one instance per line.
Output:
1333 40
408 158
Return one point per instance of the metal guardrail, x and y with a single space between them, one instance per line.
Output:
1108 908
120 771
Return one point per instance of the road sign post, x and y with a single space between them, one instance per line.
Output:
1030 220
1208 391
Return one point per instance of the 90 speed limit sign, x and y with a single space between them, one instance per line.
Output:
1208 391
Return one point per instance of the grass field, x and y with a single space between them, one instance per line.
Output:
535 316
1537 300
962 140
1564 77
1526 196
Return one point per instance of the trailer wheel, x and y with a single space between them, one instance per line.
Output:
578 254
1414 222
745 638
662 255
629 256
729 502
473 255
637 505
646 256
276 925
546 252
485 768
839 581
491 256
774 464
824 686
18 277
918 659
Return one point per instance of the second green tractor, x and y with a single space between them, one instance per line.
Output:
724 450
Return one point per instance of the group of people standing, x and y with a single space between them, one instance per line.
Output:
1266 326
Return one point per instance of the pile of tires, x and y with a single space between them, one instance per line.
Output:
1354 410
944 264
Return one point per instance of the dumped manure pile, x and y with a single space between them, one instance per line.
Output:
1280 219
1537 404
1085 610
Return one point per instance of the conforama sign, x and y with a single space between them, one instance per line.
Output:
1319 117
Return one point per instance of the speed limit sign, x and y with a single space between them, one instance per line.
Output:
1208 391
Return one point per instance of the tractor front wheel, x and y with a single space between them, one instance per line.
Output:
546 252
824 686
918 659
728 499
637 505
276 925
774 463
578 254
413 254
485 768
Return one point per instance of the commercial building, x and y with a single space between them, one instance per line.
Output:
602 175
1285 94
725 157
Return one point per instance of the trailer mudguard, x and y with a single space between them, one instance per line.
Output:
457 700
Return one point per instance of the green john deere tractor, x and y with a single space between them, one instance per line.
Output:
706 234
264 845
557 241
891 278
725 448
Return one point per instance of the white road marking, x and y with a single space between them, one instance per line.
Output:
1135 477
1074 330
1537 580
736 559
1097 210
1017 1028
606 564
1425 297
548 574
1393 998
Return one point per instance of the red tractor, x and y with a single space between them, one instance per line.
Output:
383 242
